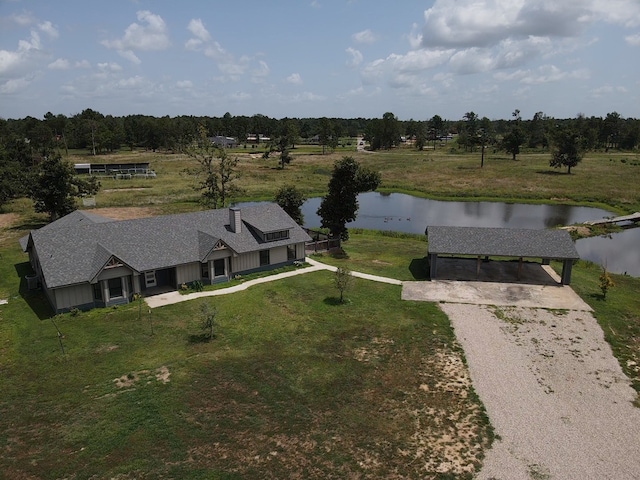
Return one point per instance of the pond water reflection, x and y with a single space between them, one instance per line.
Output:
620 253
405 213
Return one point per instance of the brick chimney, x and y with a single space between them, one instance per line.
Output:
235 220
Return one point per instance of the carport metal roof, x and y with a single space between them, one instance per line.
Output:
502 242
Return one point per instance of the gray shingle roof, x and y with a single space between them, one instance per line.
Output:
71 249
507 242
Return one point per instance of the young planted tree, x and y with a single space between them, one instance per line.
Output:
342 281
340 205
55 187
291 199
216 171
606 283
208 321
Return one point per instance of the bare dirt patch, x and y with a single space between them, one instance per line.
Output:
106 348
124 213
7 220
129 380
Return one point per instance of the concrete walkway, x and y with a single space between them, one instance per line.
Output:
169 298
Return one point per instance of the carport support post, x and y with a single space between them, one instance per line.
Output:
478 267
433 267
566 271
519 268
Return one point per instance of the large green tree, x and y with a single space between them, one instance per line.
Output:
55 187
216 171
340 205
566 148
291 200
512 141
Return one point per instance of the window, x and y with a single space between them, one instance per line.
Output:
218 268
97 291
204 271
264 257
271 236
291 252
115 287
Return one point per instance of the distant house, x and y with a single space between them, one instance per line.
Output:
84 260
224 142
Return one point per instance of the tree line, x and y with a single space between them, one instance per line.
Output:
99 134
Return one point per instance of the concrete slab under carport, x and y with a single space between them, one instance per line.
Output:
538 286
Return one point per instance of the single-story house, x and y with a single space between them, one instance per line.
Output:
84 260
224 142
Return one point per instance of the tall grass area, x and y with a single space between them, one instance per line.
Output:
601 179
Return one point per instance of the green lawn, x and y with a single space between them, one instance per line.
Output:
293 385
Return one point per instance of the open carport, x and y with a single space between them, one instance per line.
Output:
518 243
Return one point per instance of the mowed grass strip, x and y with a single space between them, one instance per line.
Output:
294 385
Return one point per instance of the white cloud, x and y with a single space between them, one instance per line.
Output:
16 85
356 57
82 64
186 84
132 82
607 90
633 39
484 23
261 71
197 28
23 19
109 67
150 35
24 58
240 96
551 73
365 36
129 55
48 28
60 64
294 79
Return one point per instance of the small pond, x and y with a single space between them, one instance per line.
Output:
405 213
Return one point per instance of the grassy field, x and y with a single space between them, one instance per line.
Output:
295 385
601 179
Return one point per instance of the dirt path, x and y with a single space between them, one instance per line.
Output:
555 394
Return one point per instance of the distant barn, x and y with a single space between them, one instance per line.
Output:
114 169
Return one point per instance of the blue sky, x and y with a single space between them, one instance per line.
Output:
313 58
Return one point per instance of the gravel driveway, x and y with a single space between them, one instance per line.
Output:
556 396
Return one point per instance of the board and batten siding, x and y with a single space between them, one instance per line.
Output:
300 251
69 297
245 261
277 255
189 272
